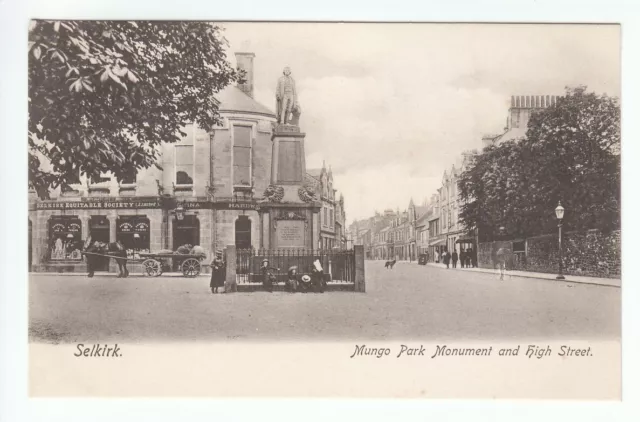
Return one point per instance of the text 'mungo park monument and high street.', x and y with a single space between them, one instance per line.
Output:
199 191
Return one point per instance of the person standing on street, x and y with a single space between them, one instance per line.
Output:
218 273
267 277
447 258
454 258
501 258
317 277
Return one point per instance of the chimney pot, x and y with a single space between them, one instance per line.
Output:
245 62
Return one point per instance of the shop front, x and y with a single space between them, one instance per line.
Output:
143 225
436 248
133 231
65 239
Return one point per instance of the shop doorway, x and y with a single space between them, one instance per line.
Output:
243 232
186 235
186 232
99 232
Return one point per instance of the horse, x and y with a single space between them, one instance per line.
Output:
115 249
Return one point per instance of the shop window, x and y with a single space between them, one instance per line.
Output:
519 246
134 233
65 234
184 164
242 155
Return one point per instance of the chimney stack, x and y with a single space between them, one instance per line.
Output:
245 62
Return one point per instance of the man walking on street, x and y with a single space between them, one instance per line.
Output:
454 258
501 257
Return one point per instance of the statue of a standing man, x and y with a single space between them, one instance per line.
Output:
286 96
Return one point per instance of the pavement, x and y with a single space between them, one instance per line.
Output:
408 302
600 281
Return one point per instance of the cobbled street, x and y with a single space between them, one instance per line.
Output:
409 302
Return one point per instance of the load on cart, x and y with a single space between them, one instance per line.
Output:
189 259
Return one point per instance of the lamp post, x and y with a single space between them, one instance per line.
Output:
179 211
560 216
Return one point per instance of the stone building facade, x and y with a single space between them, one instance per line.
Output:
332 214
210 192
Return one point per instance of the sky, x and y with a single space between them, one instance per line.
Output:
390 107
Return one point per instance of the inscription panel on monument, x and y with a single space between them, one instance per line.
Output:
289 161
290 234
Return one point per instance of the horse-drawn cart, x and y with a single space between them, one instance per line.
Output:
152 264
190 267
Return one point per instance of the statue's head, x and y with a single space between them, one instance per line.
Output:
286 71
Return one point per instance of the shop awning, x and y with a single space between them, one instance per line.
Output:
438 242
466 240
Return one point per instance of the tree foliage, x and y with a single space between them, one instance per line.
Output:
571 154
104 95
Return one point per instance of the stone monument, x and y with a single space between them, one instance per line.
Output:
290 213
286 97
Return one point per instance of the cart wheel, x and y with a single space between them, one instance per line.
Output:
152 268
191 267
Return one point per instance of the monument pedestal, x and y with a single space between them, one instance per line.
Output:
290 218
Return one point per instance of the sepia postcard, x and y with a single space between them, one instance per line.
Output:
318 209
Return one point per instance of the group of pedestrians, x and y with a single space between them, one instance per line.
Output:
466 258
294 283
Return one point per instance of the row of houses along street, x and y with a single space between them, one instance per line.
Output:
432 226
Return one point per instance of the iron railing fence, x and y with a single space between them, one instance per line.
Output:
338 264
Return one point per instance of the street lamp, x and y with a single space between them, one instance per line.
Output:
179 212
560 216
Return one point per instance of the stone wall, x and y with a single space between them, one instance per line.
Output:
590 253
